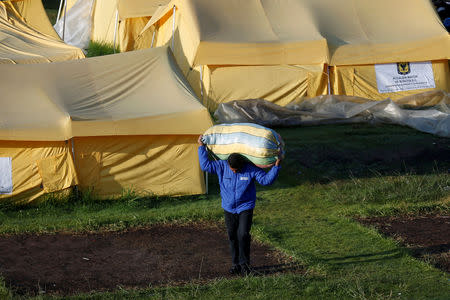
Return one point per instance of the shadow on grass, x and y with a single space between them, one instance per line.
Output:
365 258
74 200
326 153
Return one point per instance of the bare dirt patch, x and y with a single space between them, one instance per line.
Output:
67 263
428 237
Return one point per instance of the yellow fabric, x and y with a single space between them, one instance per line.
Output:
361 81
148 165
341 32
280 84
138 8
243 33
133 15
21 44
104 21
134 117
248 49
129 30
134 93
33 13
57 172
382 31
37 167
143 40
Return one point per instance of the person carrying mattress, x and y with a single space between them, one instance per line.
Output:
237 189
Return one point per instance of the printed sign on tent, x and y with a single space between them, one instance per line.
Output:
6 185
404 76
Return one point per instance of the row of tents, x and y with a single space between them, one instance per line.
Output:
289 48
130 120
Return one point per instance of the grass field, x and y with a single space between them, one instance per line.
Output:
331 175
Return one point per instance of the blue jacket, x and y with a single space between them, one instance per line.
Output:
237 190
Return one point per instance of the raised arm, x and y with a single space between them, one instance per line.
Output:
205 163
268 178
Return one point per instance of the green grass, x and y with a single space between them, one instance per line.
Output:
100 48
95 48
52 14
331 174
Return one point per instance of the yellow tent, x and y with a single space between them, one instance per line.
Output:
112 21
133 15
125 121
376 35
34 15
280 50
22 44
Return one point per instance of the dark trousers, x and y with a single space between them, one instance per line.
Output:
238 227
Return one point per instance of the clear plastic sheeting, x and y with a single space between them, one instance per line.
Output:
77 30
427 112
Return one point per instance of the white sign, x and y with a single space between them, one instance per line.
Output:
404 77
6 185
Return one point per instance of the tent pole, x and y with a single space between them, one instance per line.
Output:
207 181
153 37
64 22
115 29
173 26
73 151
59 10
201 82
329 84
73 158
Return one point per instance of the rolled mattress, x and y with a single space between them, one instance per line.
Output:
259 144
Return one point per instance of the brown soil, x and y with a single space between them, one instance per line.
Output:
64 263
428 237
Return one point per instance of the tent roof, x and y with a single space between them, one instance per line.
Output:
382 31
338 32
21 44
133 93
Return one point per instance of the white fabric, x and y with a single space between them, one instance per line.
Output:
78 20
6 184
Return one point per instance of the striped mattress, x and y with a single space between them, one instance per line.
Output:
259 144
